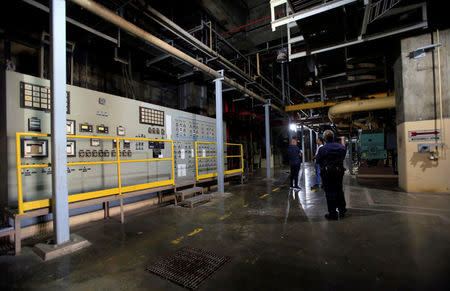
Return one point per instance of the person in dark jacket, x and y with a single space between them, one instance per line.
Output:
294 155
331 161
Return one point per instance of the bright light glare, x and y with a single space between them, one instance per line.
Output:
293 127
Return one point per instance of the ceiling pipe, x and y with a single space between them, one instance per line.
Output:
359 106
115 19
174 28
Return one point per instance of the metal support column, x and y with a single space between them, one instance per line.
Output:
303 144
219 136
311 152
322 93
350 154
288 85
60 204
268 154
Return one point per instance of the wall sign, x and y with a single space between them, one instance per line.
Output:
423 135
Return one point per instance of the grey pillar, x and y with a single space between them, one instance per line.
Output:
288 85
60 204
267 112
283 90
311 152
322 93
350 153
219 136
303 144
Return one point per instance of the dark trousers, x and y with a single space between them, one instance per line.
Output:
294 175
334 191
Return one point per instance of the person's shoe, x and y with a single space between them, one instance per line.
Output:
342 213
331 217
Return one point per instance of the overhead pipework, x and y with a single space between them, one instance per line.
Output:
212 54
115 19
360 106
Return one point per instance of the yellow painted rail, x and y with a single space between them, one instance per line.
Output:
210 175
119 190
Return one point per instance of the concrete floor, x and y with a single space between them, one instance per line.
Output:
391 240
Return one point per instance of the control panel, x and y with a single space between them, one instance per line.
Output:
100 115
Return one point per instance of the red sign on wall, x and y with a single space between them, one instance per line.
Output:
423 135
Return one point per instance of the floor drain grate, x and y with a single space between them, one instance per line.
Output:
188 267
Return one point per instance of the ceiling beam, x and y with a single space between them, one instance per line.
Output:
423 24
309 12
73 21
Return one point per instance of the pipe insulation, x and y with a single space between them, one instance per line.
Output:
115 19
359 106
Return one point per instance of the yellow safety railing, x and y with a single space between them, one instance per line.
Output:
119 190
227 172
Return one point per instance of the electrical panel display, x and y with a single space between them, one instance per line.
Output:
70 127
120 131
95 142
102 129
93 114
71 148
38 97
34 124
33 148
85 128
155 145
151 116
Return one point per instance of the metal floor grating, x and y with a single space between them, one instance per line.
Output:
188 267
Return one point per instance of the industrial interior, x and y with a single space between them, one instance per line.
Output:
144 144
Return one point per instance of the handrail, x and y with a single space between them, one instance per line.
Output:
210 175
119 190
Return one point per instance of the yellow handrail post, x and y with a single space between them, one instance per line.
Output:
19 174
119 178
173 169
196 161
242 158
209 175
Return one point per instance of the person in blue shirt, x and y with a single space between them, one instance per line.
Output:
294 155
331 161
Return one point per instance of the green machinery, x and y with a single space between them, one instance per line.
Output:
372 145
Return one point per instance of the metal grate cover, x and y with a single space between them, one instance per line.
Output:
188 267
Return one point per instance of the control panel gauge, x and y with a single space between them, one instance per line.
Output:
95 142
102 129
34 124
85 128
71 148
70 126
120 131
34 148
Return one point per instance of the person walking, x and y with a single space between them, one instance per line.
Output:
331 161
316 165
294 155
